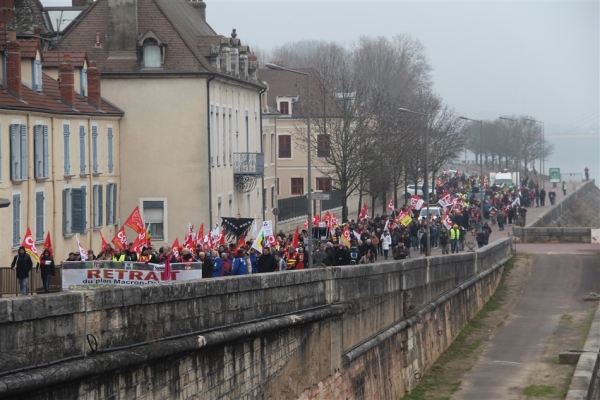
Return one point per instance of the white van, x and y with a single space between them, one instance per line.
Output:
504 178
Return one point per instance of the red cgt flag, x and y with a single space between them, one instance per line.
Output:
105 246
364 212
295 240
48 245
176 247
120 239
29 245
391 205
135 221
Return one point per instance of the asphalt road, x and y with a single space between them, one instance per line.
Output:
562 275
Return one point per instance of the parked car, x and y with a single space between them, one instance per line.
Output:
418 190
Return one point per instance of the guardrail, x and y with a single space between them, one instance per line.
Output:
9 285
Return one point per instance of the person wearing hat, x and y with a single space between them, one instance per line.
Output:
454 238
23 264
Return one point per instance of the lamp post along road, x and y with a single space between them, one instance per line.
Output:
480 122
426 183
309 211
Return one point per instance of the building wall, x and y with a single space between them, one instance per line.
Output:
57 180
269 138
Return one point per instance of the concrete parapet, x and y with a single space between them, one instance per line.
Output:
584 384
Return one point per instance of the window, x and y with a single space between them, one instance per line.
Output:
324 184
277 186
273 148
212 135
297 186
230 140
110 150
224 138
83 82
74 210
152 58
154 216
264 199
81 149
67 149
247 133
98 206
18 152
111 204
36 74
216 136
323 145
219 208
272 196
16 206
94 149
39 216
285 146
42 152
284 107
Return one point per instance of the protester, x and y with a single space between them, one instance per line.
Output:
23 264
46 268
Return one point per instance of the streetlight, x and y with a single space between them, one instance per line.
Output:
519 145
480 122
426 184
309 207
543 145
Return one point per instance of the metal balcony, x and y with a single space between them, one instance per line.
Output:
247 168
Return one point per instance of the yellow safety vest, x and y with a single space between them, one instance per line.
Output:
454 234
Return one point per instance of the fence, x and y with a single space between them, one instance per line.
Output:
294 207
9 285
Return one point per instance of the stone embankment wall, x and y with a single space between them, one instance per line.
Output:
361 332
544 228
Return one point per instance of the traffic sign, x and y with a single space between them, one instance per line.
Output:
321 196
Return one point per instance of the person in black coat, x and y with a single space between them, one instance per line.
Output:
207 266
23 264
342 256
46 268
266 261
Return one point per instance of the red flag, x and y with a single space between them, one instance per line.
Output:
29 245
364 212
327 219
200 237
105 245
445 200
221 239
135 221
139 242
295 241
241 242
316 220
416 202
48 245
334 220
189 242
120 239
176 247
391 205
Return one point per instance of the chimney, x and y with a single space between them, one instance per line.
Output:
200 6
67 80
13 64
93 75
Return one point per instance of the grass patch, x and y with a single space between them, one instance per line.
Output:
539 390
566 321
437 379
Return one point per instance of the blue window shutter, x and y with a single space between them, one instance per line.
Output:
65 193
76 211
67 149
23 151
39 215
100 206
83 209
82 149
95 148
37 75
37 168
13 152
110 150
46 152
108 210
16 204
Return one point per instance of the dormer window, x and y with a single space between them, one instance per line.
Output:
284 107
152 50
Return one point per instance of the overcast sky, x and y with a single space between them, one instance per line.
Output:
489 58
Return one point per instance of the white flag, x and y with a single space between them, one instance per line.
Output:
254 229
82 252
517 201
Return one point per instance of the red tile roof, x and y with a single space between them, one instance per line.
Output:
29 47
51 58
49 101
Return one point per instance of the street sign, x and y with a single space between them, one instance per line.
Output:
554 174
321 196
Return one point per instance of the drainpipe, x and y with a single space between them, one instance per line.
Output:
262 151
210 212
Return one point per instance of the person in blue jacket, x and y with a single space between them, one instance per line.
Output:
217 263
240 267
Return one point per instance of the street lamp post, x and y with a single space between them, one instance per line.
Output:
480 122
426 184
308 151
542 134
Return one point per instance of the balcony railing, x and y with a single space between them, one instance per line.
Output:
249 164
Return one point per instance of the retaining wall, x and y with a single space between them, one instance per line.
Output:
280 335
